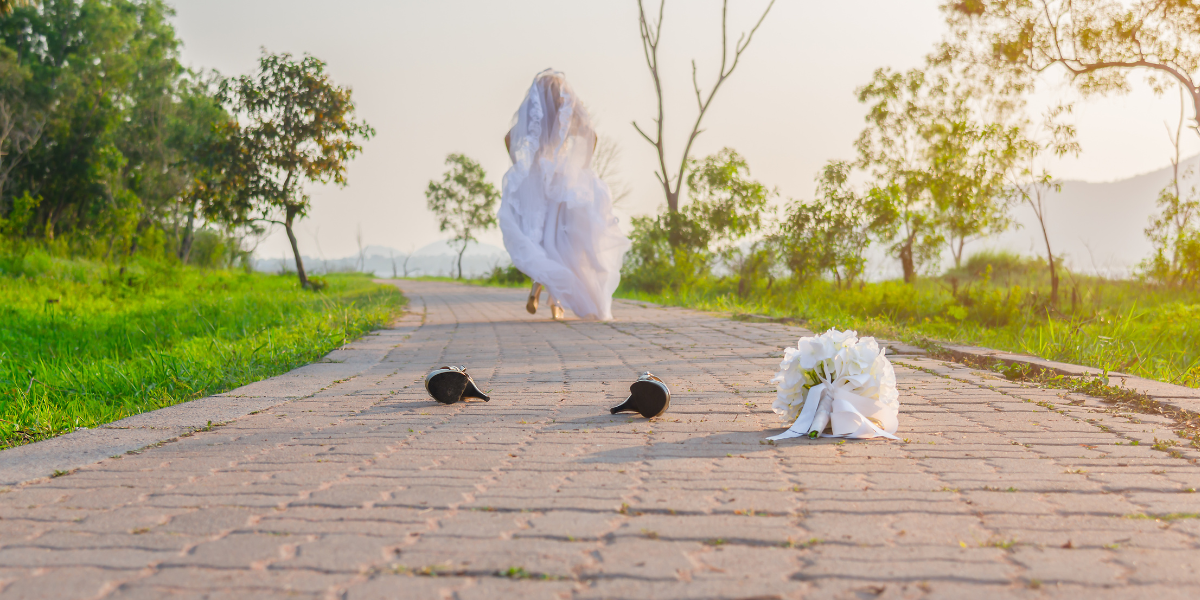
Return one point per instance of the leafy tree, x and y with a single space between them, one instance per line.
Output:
939 143
968 163
104 122
894 147
7 6
1098 43
651 35
830 235
296 128
726 205
210 168
21 122
464 202
725 208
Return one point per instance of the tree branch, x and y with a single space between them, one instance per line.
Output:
739 48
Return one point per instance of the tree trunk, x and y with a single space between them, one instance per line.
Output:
1053 283
189 236
460 255
1050 260
1053 270
906 262
287 225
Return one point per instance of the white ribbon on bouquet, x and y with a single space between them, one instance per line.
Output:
847 414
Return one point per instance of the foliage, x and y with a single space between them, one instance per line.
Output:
296 128
102 121
1120 326
726 207
464 201
968 161
83 343
1175 231
509 276
831 235
7 6
1097 42
893 147
939 145
1175 234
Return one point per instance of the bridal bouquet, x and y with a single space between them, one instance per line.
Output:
837 382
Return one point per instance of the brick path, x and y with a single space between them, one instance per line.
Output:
367 489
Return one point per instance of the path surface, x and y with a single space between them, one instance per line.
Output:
367 489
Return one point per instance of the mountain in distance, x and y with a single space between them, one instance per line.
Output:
439 259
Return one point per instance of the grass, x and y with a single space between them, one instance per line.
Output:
1120 326
83 344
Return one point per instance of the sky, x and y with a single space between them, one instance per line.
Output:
445 76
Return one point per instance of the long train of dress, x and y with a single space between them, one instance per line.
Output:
555 212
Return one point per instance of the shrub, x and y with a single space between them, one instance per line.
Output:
507 276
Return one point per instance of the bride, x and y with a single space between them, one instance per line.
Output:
555 212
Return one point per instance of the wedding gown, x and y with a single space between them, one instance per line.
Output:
555 212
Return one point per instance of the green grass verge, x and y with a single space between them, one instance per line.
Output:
83 344
1115 325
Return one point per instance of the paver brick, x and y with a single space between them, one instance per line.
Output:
366 488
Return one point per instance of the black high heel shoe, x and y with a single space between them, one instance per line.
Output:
648 396
452 384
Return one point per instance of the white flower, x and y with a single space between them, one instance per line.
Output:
852 367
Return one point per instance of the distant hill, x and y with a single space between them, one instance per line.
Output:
438 258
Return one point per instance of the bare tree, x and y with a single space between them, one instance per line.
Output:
1171 230
362 257
405 265
1032 182
604 163
651 35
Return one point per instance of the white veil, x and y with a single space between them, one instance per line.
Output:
555 213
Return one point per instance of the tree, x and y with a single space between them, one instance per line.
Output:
1033 182
831 234
725 203
104 75
604 163
296 127
651 35
726 207
894 147
1174 232
215 171
20 122
7 6
464 202
1097 42
968 161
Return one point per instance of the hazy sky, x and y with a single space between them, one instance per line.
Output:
435 77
